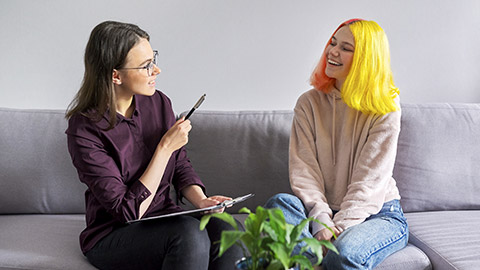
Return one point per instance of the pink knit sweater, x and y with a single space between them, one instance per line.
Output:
341 159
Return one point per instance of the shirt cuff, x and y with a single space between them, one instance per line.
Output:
139 192
324 218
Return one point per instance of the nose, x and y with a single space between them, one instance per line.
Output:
334 51
156 69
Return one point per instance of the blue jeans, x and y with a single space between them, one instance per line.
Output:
362 246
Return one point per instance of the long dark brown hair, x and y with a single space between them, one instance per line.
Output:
106 50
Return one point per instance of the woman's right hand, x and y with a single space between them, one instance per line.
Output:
176 136
326 234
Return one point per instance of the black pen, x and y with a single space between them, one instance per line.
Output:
199 102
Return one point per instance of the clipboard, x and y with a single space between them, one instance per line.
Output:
226 203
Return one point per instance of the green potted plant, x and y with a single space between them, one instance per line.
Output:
268 240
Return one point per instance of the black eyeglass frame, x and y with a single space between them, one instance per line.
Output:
149 66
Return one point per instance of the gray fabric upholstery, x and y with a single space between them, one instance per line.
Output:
451 239
247 152
236 153
409 258
438 159
42 242
36 172
437 168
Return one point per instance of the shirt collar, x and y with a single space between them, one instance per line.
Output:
120 117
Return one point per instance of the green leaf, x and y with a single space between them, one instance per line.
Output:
262 215
325 225
315 246
288 232
329 245
275 265
203 222
251 242
267 228
250 223
297 231
278 223
265 241
244 210
228 239
223 216
302 261
280 253
255 222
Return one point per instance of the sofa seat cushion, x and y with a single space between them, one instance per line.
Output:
409 258
41 242
451 239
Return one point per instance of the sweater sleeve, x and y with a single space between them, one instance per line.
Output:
306 177
372 173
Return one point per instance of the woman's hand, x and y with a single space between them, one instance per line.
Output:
195 195
326 234
176 136
213 200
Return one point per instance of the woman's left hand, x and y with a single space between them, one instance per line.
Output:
213 200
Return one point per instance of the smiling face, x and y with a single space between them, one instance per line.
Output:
339 56
132 79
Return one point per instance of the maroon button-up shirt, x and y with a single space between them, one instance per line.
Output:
111 162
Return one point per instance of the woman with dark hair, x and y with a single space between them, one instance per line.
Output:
128 149
342 151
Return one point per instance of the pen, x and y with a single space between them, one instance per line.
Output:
199 102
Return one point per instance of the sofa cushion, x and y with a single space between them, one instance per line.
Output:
409 258
36 172
451 239
237 153
438 159
42 242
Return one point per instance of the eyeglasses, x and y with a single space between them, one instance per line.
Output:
149 67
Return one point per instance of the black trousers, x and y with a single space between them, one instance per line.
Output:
171 243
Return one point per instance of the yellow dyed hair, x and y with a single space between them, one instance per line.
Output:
369 85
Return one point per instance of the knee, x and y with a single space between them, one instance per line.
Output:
345 259
291 206
334 261
282 200
190 238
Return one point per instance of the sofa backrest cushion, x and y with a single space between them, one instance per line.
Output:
237 153
36 172
438 158
437 165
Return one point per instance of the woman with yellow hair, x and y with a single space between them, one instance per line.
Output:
342 151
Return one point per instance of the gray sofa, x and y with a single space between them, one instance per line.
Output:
437 171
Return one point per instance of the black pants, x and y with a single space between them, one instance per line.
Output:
171 243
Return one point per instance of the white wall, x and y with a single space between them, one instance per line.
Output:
245 54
